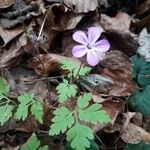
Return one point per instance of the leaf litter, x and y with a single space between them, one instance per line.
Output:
36 35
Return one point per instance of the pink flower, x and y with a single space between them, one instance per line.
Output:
89 45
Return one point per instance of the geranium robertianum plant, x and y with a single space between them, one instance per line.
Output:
73 121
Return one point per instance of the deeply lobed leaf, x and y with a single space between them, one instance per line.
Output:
66 90
4 88
63 119
83 101
37 111
79 136
94 114
34 144
6 113
73 68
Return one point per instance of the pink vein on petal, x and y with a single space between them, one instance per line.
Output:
79 51
102 45
80 37
93 34
92 58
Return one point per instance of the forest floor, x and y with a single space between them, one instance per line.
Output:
75 74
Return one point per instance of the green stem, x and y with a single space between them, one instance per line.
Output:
77 72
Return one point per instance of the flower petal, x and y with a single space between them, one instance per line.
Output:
92 58
101 46
93 34
80 37
79 51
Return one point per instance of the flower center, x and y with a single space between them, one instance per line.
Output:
89 46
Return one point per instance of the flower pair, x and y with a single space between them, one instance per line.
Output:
95 50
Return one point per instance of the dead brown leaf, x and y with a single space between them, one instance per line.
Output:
118 69
113 107
134 134
11 57
123 84
45 64
82 5
143 7
121 22
6 3
137 119
116 59
7 35
60 18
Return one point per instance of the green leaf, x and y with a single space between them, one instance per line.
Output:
44 148
66 90
94 114
73 68
68 64
32 144
140 146
4 88
22 112
83 71
6 113
37 111
63 119
25 99
140 70
79 136
140 101
83 101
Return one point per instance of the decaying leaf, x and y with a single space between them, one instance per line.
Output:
143 7
18 14
12 56
6 3
113 107
137 119
127 44
134 134
44 64
7 35
60 18
144 41
82 5
116 59
123 84
118 69
121 22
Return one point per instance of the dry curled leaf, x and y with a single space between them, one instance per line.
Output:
7 35
11 57
113 107
143 7
44 64
6 3
116 60
82 5
134 134
137 119
118 69
121 22
123 84
60 18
